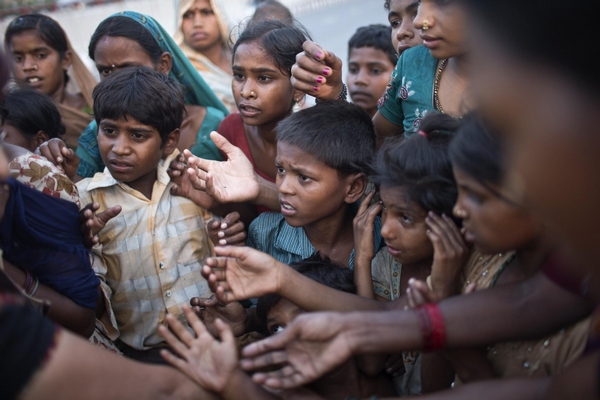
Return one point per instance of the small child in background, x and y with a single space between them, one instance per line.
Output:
149 257
272 9
323 163
401 14
371 61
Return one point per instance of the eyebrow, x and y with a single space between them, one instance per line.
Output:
134 129
412 6
32 51
123 65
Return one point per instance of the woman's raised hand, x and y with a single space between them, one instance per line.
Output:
231 181
312 345
317 72
241 273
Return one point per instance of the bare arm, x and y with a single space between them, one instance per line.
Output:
385 128
63 310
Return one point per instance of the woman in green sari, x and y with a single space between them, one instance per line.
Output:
130 38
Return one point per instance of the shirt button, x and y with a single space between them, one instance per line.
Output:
168 293
161 265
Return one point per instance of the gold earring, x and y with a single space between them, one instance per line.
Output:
425 24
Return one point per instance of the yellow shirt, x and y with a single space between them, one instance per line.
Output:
149 257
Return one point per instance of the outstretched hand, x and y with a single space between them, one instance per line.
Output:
57 152
228 231
317 72
231 181
312 345
210 309
91 223
182 185
241 273
208 361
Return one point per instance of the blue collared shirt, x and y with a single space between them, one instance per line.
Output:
270 234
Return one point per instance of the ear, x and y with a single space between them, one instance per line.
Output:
165 64
298 96
40 138
67 60
357 184
171 143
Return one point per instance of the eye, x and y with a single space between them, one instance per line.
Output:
405 219
304 178
395 24
41 56
475 198
137 135
264 78
376 71
280 170
105 72
108 131
188 15
18 58
353 69
206 13
276 329
238 77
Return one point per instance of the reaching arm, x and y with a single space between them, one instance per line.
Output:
385 128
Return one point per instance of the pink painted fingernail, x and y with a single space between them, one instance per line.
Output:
326 71
320 79
316 88
319 55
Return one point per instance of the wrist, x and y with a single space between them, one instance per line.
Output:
340 93
235 385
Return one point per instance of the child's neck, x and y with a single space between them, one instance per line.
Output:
419 270
333 236
460 65
533 256
266 132
145 184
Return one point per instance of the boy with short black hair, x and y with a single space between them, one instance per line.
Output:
323 161
149 257
371 61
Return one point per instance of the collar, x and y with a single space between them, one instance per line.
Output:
293 240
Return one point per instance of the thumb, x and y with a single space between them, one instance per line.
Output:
232 251
212 301
223 144
109 214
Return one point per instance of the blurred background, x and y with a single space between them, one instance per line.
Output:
330 22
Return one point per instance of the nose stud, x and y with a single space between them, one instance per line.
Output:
35 67
425 24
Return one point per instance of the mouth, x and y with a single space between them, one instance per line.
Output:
393 251
248 111
33 80
199 35
120 166
360 96
430 42
287 209
402 48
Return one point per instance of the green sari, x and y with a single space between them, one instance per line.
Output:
197 93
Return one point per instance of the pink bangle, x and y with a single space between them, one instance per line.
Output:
432 327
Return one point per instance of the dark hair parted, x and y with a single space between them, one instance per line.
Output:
119 26
421 164
30 112
152 98
318 268
377 36
45 27
337 133
477 151
280 41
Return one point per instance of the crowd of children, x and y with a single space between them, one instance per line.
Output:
189 228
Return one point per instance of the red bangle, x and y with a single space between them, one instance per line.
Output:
432 327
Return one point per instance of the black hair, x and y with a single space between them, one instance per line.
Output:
377 36
386 5
272 9
120 26
280 41
535 32
421 164
337 133
318 268
30 112
45 27
152 98
477 151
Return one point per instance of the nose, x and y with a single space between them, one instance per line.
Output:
285 185
120 146
406 30
459 210
29 64
424 14
198 20
362 77
248 91
386 228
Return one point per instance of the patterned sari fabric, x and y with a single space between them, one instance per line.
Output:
197 92
41 233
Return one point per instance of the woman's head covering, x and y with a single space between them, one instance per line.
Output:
185 5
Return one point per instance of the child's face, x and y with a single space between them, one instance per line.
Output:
446 34
120 52
281 315
262 93
132 150
403 227
309 190
401 16
493 224
199 26
369 71
36 64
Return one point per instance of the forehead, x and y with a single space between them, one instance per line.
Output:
366 55
200 4
128 122
290 154
397 197
118 49
252 55
27 41
400 6
283 312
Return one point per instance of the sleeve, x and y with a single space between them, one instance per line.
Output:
254 234
390 105
26 339
89 153
107 323
204 146
380 271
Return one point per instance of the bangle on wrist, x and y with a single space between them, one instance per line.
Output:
342 97
28 282
432 327
35 287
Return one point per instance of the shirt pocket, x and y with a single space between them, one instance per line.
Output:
192 240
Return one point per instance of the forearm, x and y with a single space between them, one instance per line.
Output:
363 278
268 195
310 295
514 389
62 310
240 386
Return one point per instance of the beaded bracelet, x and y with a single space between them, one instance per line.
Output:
432 327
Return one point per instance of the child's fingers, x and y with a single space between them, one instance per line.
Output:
225 332
225 297
194 321
233 229
314 51
409 296
216 262
453 230
182 333
418 297
174 360
365 204
438 244
237 238
311 89
173 342
204 302
231 218
424 292
471 288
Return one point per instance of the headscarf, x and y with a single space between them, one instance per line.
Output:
218 80
41 234
197 92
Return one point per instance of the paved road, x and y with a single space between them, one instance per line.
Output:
333 26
